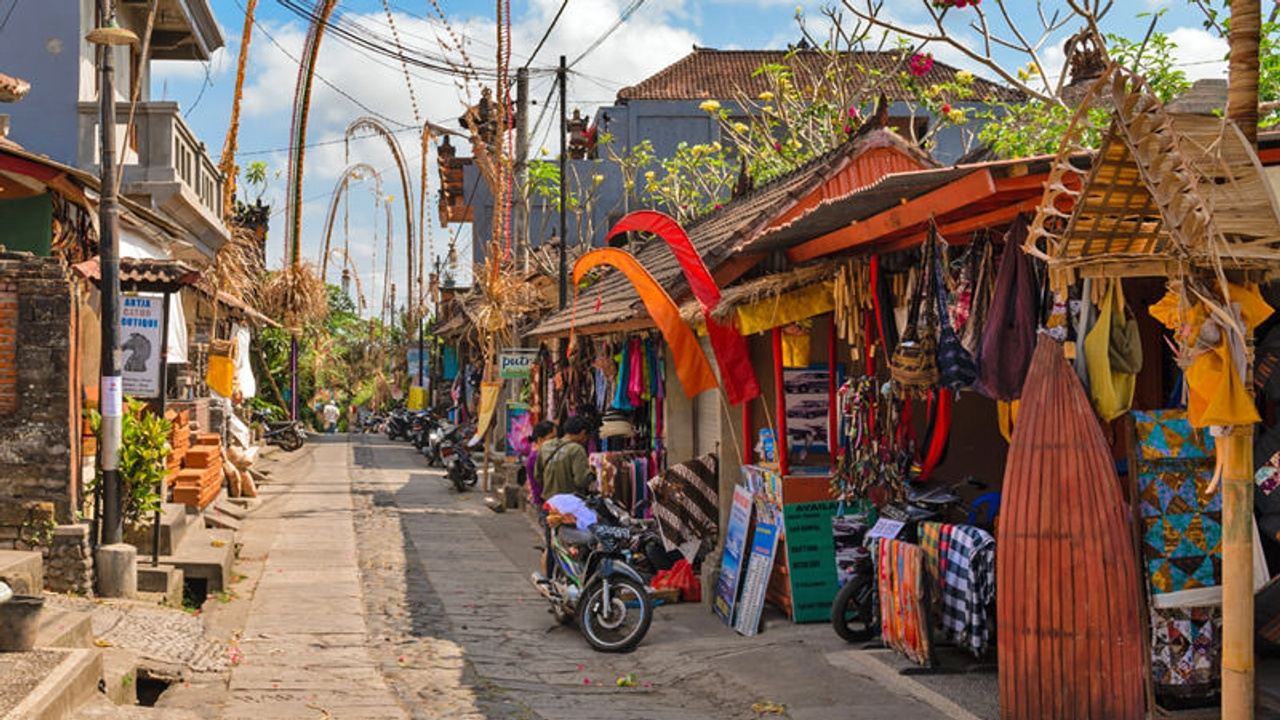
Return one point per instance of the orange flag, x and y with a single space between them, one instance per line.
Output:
692 367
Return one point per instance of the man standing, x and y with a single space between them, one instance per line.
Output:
562 463
331 413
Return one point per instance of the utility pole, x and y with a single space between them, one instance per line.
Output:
116 563
521 208
562 74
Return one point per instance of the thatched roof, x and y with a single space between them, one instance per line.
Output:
762 288
1168 191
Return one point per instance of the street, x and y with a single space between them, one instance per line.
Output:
373 590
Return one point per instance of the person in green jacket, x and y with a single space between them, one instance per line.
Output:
562 463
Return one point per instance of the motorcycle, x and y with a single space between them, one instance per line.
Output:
855 612
288 435
434 435
460 468
593 580
402 424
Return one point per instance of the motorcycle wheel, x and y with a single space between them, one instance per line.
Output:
458 478
472 476
608 629
290 441
853 614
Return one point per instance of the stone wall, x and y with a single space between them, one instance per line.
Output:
68 561
39 414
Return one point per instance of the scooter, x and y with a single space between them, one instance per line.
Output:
460 468
288 435
594 583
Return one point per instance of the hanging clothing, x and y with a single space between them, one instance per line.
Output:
904 624
1113 354
1009 335
1216 392
969 588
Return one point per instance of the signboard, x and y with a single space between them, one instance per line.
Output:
735 542
141 338
412 358
811 559
516 363
759 566
519 427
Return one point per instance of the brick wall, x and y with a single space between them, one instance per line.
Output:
37 461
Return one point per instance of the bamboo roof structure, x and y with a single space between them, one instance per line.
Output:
1168 193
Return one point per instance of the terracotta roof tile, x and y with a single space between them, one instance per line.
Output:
707 73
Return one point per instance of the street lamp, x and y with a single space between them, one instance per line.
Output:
110 399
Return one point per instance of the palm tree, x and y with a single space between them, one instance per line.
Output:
1242 83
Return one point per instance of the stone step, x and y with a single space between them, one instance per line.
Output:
23 571
120 675
176 520
61 628
66 688
225 506
216 519
100 708
205 555
164 580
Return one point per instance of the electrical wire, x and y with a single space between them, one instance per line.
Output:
545 35
7 15
626 15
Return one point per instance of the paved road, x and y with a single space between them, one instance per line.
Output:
459 632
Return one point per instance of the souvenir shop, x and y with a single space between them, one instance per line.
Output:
1066 377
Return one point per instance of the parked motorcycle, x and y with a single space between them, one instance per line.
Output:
855 612
402 424
460 467
434 435
288 435
594 582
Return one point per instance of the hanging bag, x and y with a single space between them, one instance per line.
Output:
1111 383
956 368
1009 334
914 364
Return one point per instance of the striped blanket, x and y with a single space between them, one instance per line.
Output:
686 502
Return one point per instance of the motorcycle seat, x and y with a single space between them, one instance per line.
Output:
574 536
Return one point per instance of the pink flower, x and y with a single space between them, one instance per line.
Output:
586 681
777 147
718 206
848 129
853 111
946 107
921 64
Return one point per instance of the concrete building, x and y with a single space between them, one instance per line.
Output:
664 109
166 167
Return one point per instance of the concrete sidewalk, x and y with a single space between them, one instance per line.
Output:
304 645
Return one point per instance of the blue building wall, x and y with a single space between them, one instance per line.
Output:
665 124
43 44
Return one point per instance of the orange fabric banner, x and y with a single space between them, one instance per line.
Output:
692 367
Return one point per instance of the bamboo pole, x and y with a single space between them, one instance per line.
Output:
1235 452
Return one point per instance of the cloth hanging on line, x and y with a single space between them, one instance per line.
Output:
786 308
969 588
904 624
686 502
488 408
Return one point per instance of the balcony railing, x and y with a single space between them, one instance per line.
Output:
160 151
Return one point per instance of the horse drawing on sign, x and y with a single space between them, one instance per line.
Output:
139 349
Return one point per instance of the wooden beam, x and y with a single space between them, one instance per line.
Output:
948 198
966 226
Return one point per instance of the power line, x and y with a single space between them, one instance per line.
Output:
545 35
7 15
626 15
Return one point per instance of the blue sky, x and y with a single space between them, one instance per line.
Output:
657 33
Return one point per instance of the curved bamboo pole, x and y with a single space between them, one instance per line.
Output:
298 136
227 166
368 123
352 172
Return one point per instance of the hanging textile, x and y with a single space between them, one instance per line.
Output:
1063 506
786 308
1186 652
737 375
969 588
1113 354
686 502
245 381
796 345
1216 393
1009 335
904 621
956 369
488 408
692 368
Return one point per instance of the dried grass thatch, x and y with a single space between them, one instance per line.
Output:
764 288
295 295
501 300
237 268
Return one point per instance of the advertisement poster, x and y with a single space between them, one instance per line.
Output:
141 335
516 363
759 566
519 427
735 543
811 559
807 409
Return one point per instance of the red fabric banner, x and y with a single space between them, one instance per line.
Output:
736 374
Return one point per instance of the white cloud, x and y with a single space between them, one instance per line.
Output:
1201 54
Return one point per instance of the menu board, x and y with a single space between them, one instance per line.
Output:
735 543
811 559
763 544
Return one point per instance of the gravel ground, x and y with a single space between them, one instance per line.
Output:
21 672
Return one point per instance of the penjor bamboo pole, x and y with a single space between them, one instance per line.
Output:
1235 452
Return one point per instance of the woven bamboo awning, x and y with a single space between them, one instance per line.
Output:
1168 193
